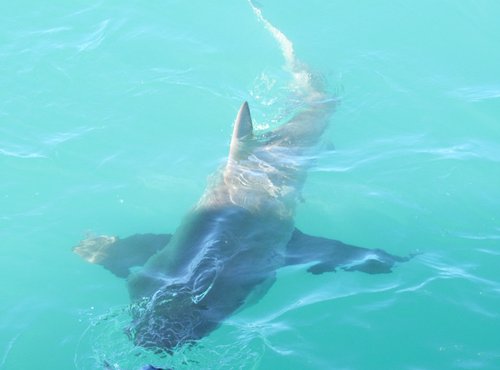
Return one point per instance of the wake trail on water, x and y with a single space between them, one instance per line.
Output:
303 78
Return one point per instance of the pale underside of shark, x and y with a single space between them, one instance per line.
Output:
228 248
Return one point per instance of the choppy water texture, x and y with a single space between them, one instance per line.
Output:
113 114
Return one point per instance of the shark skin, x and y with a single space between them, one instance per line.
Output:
183 286
231 243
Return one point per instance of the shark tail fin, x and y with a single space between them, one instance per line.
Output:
304 80
243 130
312 104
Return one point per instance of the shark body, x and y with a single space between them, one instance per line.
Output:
229 246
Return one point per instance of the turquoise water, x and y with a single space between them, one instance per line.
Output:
113 115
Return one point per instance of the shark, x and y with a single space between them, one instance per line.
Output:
227 249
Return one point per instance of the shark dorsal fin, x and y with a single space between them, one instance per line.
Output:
243 124
243 129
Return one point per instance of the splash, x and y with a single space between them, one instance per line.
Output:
285 44
105 342
303 79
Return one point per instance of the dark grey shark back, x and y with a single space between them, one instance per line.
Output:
216 258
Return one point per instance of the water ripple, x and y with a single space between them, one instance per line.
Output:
8 348
477 93
62 137
446 270
93 40
418 148
21 153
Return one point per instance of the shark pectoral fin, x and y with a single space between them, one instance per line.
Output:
120 255
243 129
322 267
375 261
372 266
331 254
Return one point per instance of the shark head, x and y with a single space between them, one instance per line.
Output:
169 319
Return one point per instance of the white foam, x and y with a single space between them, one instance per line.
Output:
284 42
300 74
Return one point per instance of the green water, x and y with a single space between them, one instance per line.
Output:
113 115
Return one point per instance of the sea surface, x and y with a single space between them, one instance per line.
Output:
114 114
